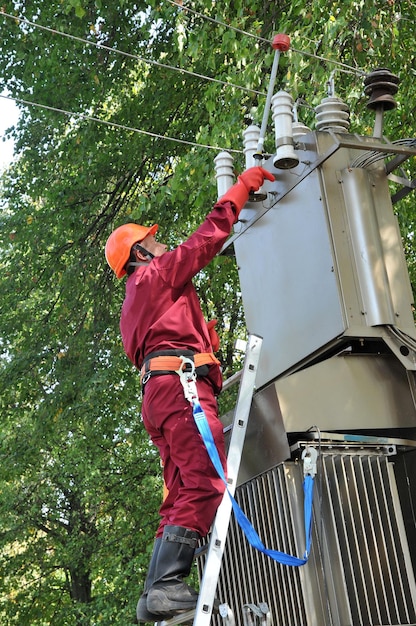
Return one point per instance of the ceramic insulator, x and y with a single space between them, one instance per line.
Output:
224 172
282 106
332 114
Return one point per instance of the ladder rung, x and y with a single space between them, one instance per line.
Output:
183 618
188 617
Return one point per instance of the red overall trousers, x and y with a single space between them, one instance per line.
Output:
195 489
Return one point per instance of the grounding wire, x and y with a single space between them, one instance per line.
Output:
343 66
83 116
128 54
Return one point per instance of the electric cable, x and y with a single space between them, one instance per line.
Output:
129 55
343 66
156 63
92 118
369 158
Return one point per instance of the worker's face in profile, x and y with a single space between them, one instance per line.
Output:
153 246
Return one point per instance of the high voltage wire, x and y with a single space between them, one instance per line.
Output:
343 66
156 63
92 118
128 54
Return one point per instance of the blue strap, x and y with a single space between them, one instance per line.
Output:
252 536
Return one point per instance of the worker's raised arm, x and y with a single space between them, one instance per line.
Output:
178 266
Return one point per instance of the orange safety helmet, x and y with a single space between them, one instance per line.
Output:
119 243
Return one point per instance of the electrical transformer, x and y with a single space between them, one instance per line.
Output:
324 283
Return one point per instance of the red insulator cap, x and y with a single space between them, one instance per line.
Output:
281 42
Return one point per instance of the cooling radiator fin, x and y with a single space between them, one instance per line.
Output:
359 572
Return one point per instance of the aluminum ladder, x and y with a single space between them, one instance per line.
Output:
202 614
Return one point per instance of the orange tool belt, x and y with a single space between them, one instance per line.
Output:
159 363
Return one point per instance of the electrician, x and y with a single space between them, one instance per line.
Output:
161 322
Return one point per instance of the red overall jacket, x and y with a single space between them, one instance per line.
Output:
161 310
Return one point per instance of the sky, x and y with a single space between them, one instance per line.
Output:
8 117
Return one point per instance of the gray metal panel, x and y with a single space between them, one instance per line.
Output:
343 393
380 228
347 393
266 442
288 283
321 258
367 246
394 257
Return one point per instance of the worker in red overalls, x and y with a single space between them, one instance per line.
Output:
161 324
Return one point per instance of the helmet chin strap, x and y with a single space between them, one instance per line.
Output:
135 264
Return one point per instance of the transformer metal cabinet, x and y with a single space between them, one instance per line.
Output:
324 282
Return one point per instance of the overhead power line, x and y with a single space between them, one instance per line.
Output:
129 55
343 66
101 46
92 118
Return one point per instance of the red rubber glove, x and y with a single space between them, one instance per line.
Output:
250 180
213 335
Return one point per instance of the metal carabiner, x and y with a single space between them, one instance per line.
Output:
188 378
309 458
146 378
186 361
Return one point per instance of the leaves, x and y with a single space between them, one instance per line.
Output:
80 481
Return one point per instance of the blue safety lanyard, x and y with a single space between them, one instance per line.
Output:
187 377
246 526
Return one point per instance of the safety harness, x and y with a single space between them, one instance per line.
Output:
176 362
186 368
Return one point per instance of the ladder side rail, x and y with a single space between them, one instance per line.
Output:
220 528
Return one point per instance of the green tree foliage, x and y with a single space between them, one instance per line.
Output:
80 482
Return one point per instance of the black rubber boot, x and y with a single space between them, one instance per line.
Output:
144 616
169 595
